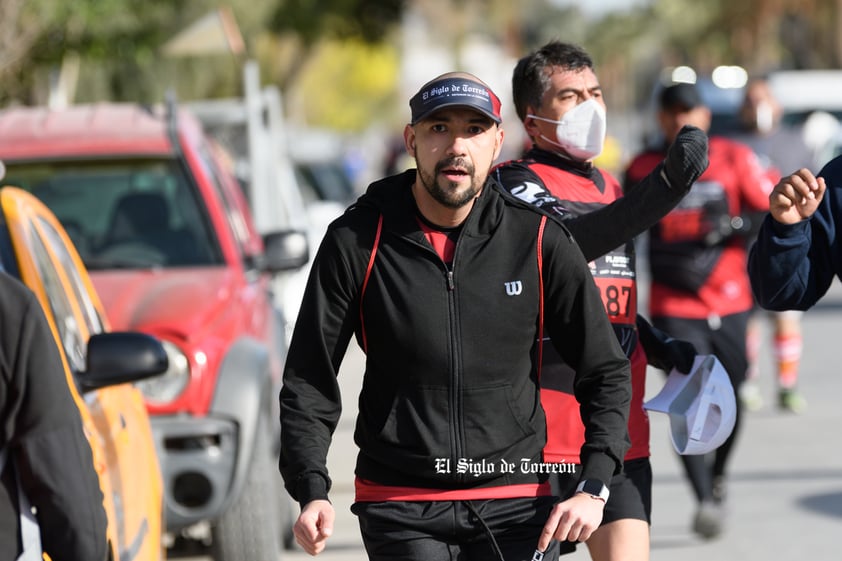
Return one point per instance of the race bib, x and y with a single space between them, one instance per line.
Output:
619 296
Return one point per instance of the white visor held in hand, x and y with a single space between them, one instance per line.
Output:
702 406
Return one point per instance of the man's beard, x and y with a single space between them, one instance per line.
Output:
448 195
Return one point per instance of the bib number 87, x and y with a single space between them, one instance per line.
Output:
618 297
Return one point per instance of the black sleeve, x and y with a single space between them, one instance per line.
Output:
642 206
605 229
310 398
53 456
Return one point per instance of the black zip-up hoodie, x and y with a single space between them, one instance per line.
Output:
451 356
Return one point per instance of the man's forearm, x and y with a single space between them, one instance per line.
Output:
613 225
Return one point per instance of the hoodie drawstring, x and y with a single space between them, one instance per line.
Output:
487 530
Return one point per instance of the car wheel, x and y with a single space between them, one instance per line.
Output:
248 529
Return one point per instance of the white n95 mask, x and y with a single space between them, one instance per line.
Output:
581 131
764 117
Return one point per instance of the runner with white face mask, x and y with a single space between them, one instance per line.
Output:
559 99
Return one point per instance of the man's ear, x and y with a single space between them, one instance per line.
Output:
409 140
500 136
530 124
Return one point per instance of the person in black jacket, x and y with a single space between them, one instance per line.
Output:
43 437
453 289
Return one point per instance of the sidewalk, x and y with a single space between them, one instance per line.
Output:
785 476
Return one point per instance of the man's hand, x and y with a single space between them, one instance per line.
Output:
796 197
314 526
687 158
662 351
678 354
573 520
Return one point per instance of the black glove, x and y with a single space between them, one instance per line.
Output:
664 352
687 158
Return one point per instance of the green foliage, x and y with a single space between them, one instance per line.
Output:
118 40
339 58
312 20
346 83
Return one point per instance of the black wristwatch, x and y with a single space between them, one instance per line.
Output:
595 488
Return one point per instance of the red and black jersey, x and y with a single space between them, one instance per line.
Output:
571 190
698 264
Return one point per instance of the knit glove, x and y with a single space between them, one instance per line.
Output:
687 158
664 352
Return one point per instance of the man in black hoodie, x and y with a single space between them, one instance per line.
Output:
43 440
452 288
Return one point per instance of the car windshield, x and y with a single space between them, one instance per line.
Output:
124 214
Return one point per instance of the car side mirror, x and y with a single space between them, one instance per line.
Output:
285 250
120 357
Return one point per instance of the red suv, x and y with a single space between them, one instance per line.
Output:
164 228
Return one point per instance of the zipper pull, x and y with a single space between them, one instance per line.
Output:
450 285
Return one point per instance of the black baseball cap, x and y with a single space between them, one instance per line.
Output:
680 96
455 90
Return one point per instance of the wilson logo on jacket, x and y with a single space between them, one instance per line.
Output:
513 288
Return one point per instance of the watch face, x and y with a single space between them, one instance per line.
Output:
593 487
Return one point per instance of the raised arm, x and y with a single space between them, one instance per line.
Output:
796 255
643 205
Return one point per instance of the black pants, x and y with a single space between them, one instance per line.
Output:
455 530
725 338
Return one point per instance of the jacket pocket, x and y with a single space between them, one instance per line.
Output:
416 427
497 426
489 425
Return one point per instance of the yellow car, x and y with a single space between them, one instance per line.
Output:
36 249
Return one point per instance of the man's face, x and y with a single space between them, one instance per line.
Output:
568 88
671 120
760 110
454 149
